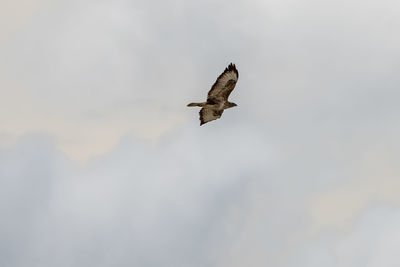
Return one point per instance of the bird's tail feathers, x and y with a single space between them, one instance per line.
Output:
197 104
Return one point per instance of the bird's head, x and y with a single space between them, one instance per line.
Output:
231 105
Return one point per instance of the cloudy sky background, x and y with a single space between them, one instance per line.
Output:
102 163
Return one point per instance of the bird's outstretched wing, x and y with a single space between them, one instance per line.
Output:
224 84
209 113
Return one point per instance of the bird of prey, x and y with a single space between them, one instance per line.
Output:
217 98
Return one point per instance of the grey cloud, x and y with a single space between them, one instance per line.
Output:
317 94
95 58
210 196
138 206
373 242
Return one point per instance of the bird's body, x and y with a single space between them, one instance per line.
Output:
217 98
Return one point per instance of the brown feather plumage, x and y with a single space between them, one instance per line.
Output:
217 97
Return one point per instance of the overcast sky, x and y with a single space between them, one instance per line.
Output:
102 163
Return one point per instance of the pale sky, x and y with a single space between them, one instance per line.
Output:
102 163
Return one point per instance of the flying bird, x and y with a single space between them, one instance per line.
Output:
217 98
